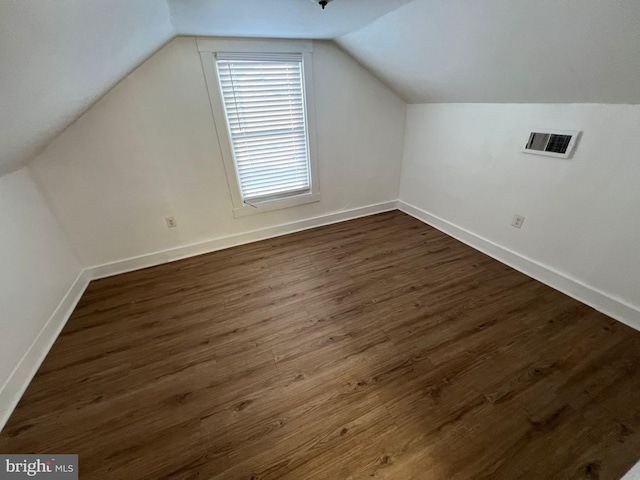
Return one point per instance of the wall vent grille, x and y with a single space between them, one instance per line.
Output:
556 143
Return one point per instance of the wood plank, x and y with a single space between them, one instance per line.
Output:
374 348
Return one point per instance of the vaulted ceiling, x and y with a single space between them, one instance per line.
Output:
506 51
276 18
57 58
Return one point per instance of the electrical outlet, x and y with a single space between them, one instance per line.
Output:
518 220
171 222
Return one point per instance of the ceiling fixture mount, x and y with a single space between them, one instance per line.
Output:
322 3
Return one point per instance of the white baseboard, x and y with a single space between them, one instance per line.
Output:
12 390
15 386
178 253
601 301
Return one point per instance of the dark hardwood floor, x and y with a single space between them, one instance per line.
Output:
375 348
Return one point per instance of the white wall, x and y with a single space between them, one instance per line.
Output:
148 150
38 267
58 57
463 163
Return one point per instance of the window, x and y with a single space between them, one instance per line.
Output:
263 115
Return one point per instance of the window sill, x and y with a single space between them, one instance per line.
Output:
276 204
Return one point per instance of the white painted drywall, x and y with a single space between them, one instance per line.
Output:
493 51
633 474
148 150
463 163
276 18
58 57
38 268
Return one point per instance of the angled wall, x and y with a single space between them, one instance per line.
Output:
39 268
501 51
59 57
464 169
148 150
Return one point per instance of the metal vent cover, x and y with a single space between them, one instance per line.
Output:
551 143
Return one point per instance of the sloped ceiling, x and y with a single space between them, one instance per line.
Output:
276 18
58 57
499 51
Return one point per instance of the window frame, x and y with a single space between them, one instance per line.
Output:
208 47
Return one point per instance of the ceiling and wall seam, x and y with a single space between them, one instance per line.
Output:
494 51
426 51
375 75
27 133
59 58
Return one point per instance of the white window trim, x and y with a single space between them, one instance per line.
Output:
207 48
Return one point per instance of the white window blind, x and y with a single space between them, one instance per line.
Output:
263 97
